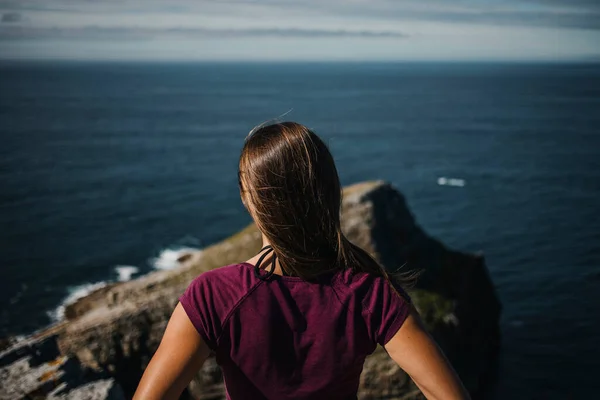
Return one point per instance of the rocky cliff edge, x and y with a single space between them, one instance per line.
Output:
108 337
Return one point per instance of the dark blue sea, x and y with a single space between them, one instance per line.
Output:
108 170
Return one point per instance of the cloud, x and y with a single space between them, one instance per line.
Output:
11 17
312 29
569 14
554 19
522 13
582 4
95 32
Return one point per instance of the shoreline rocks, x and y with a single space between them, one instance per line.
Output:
114 331
35 369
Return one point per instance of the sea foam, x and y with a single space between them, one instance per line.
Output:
169 257
125 272
443 181
75 293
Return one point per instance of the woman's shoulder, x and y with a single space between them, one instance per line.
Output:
385 305
370 286
210 298
218 290
236 277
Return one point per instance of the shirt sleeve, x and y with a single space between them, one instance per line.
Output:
385 308
199 305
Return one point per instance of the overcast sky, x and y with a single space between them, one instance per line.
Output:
300 30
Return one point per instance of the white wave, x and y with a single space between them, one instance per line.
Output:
75 293
443 181
169 257
125 272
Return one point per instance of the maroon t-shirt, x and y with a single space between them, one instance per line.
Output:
286 338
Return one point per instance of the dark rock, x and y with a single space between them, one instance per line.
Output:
34 369
454 293
184 257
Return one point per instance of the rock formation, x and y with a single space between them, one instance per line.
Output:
35 369
115 330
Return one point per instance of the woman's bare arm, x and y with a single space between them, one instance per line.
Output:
180 355
416 353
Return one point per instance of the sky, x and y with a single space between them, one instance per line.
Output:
293 30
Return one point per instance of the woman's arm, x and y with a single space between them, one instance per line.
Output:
180 355
416 353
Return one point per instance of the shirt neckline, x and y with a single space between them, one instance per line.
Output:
274 276
285 277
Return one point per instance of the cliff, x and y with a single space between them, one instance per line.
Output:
113 332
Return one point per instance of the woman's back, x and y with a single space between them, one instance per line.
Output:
285 337
303 329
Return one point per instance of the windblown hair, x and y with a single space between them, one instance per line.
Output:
289 183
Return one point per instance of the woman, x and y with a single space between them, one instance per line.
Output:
297 320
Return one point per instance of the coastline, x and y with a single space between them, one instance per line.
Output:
115 329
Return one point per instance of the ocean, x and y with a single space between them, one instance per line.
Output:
109 170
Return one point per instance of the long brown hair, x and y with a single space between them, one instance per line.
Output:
289 183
